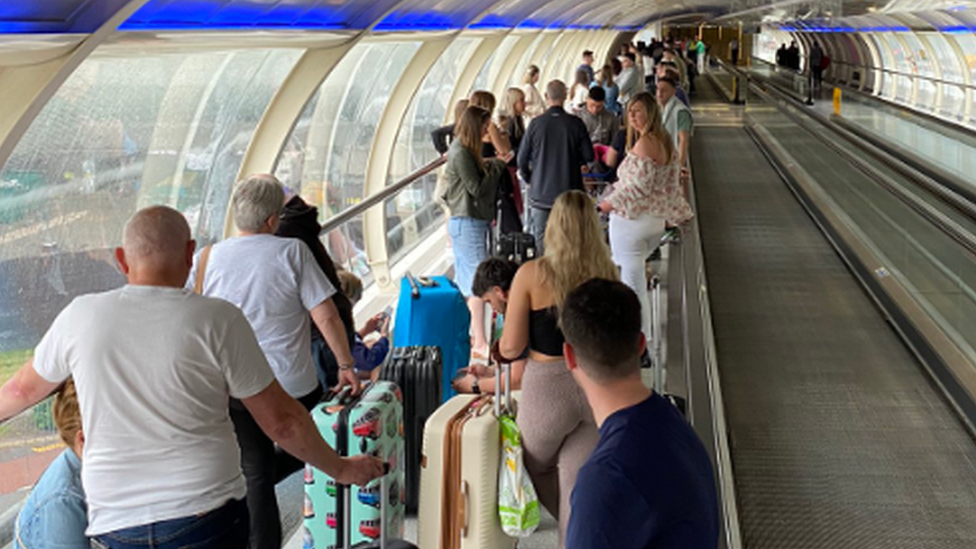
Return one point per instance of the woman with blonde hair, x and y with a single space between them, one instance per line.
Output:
55 513
558 430
510 116
496 143
647 195
534 102
471 183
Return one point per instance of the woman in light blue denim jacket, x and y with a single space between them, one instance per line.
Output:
55 515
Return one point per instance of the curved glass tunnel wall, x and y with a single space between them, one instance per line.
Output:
128 130
923 61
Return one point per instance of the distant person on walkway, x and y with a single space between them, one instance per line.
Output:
587 66
782 54
816 62
734 51
648 194
511 119
558 433
154 366
669 69
282 291
680 64
534 102
649 482
443 136
470 190
701 56
55 514
605 80
496 144
577 95
793 56
629 79
677 118
601 124
555 149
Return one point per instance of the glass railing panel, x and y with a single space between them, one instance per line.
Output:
411 216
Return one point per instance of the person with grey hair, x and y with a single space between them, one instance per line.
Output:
154 366
277 283
553 152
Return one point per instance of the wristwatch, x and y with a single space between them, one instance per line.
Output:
474 387
343 367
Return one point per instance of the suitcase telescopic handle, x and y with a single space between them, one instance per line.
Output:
508 389
414 285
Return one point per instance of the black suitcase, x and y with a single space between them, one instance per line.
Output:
517 247
417 371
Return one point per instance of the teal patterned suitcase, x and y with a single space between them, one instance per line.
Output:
369 424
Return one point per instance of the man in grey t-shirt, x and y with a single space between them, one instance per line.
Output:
277 283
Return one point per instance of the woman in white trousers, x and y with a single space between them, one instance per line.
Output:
648 194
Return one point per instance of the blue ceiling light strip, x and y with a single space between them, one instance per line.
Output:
190 15
55 16
431 21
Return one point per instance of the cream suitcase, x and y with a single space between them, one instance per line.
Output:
459 476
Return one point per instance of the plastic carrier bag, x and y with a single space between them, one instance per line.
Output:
518 505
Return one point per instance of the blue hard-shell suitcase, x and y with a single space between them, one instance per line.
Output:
435 314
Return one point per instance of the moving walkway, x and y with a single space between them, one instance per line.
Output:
839 298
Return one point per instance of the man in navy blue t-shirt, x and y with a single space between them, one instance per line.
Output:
649 483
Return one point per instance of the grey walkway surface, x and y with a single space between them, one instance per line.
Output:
838 439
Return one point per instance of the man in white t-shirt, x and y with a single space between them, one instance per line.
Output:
154 366
277 283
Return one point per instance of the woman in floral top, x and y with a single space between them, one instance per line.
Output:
647 195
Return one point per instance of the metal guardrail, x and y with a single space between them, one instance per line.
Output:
375 199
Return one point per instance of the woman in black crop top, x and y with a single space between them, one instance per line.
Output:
558 431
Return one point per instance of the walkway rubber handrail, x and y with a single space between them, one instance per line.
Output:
947 226
351 212
954 191
871 68
907 75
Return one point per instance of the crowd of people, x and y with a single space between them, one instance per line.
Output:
184 395
615 143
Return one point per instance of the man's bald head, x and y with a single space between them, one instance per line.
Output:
158 234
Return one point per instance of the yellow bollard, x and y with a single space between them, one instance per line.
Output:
837 95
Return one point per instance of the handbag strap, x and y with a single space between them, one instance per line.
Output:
201 269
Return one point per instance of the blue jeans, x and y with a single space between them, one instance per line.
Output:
223 528
537 226
469 238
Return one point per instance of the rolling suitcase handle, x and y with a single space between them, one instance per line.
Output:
384 503
656 363
414 285
508 389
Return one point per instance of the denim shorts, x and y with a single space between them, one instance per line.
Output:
469 238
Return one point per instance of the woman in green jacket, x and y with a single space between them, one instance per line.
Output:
469 192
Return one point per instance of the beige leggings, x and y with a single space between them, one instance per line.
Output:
558 434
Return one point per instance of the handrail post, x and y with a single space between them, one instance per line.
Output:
810 88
